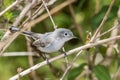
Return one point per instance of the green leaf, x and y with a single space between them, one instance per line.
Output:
75 72
8 15
8 2
96 20
101 72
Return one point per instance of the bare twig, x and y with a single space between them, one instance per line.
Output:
66 58
3 29
117 75
70 66
89 45
116 26
79 29
85 71
9 54
111 45
5 42
103 21
19 70
38 11
118 13
32 16
89 64
11 6
41 8
24 12
52 11
55 27
30 58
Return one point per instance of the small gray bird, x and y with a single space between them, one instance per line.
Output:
49 42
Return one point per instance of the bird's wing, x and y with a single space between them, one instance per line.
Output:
39 43
44 41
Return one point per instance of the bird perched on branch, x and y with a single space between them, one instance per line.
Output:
48 42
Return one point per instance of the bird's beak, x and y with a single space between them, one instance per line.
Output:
75 37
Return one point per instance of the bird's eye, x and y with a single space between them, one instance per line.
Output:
65 33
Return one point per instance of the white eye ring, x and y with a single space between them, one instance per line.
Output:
65 33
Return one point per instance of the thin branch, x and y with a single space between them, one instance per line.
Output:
52 11
24 12
9 54
11 6
70 66
3 29
4 44
66 57
110 48
117 48
8 37
89 65
116 26
117 75
38 11
30 58
79 29
19 18
84 73
33 15
103 21
55 27
89 45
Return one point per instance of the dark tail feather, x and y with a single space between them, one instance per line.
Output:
35 36
27 33
13 29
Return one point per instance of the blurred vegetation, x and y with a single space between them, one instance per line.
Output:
88 14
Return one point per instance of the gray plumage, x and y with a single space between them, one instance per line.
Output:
50 41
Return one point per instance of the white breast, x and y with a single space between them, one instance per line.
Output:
56 45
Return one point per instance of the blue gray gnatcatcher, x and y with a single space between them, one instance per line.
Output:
49 42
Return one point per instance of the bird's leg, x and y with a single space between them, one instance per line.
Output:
65 55
53 70
63 52
46 58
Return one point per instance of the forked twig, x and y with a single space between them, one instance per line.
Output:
102 23
116 26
